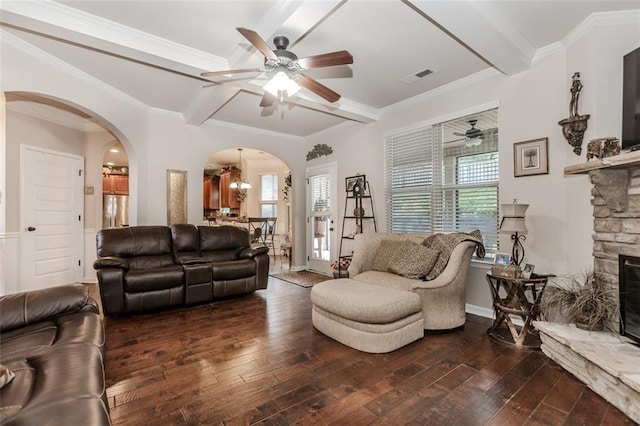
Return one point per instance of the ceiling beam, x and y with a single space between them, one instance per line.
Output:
208 102
491 37
55 20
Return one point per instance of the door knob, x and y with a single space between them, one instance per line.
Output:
31 228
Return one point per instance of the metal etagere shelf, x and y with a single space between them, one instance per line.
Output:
358 197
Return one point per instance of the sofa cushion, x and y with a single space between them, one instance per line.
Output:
35 338
362 302
386 279
413 260
385 253
233 270
143 280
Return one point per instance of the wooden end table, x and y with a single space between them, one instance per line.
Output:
519 297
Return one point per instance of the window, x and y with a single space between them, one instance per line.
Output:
269 195
437 180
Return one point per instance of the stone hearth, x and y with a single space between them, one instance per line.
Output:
605 362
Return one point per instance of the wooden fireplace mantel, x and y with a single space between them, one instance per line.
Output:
625 160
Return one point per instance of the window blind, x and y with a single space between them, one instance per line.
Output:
432 188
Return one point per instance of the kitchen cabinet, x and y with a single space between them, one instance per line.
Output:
115 184
211 193
228 196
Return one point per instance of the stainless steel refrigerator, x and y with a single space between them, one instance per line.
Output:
115 211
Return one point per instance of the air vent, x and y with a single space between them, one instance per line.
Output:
412 78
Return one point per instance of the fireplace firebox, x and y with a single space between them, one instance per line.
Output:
629 293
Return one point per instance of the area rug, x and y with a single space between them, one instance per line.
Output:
302 278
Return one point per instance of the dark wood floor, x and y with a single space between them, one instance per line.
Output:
258 359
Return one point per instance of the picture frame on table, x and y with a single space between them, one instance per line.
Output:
531 157
527 271
502 259
351 181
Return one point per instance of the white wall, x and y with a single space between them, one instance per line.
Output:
531 103
155 141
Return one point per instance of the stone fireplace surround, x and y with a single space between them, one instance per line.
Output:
606 362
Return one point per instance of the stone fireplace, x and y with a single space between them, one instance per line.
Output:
616 210
606 362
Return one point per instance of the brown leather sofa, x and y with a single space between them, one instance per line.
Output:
142 268
53 341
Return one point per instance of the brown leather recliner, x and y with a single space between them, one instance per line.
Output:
53 341
149 267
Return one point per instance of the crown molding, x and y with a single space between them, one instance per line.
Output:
602 19
444 89
548 50
218 123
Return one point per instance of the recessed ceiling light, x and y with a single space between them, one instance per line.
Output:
114 150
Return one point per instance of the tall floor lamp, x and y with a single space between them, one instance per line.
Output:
513 223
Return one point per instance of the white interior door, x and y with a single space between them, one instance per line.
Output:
52 205
321 204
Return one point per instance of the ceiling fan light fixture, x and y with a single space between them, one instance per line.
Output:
282 85
473 141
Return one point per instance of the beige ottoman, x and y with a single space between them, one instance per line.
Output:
366 317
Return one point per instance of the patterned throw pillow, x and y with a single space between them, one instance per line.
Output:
382 259
413 260
6 375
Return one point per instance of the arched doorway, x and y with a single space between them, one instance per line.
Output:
270 196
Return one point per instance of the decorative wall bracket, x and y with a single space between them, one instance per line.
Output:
573 129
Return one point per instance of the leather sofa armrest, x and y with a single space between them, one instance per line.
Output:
251 252
192 260
21 309
111 262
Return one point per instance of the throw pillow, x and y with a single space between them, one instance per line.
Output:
413 260
6 375
382 259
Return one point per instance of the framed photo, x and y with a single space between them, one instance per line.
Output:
502 259
351 181
527 270
531 158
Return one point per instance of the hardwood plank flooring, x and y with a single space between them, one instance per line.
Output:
258 360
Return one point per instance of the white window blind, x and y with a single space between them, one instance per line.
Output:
432 188
320 187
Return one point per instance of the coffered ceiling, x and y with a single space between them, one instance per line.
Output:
153 52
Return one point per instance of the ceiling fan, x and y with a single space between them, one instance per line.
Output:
285 69
473 136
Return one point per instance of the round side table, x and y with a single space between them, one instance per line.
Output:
519 297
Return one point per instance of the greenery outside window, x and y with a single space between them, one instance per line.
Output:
438 182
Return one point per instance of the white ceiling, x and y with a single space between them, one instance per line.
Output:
154 51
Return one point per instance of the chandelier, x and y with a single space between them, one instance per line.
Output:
240 184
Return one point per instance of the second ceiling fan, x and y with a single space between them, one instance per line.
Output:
285 69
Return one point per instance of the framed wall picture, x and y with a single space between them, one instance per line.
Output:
351 181
531 158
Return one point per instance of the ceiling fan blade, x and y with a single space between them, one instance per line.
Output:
459 134
316 87
267 99
258 42
326 60
228 72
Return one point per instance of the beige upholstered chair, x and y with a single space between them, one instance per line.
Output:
443 298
